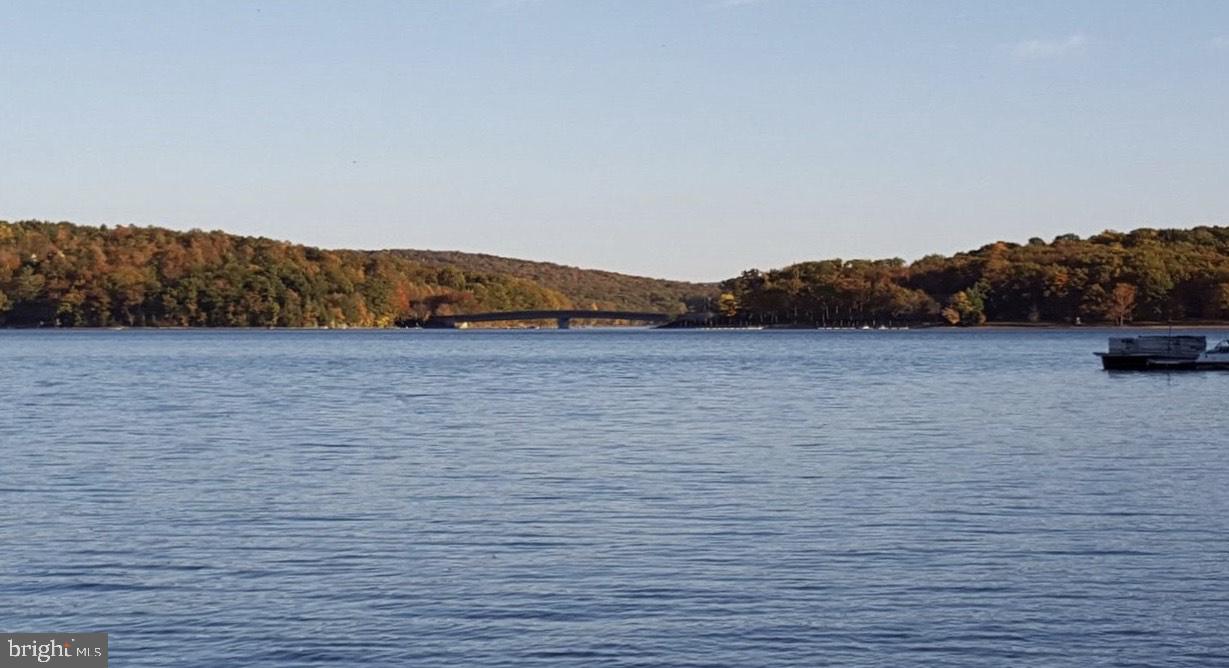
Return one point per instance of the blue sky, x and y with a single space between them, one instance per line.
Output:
685 139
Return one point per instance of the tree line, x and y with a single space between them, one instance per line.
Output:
64 275
1113 277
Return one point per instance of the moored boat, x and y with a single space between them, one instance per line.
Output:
1216 358
1149 352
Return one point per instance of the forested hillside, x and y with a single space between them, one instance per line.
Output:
1144 275
59 274
588 288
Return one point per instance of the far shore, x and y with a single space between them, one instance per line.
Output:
1201 324
989 326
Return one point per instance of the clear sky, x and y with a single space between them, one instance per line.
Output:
684 139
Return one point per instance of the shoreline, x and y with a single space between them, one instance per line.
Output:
990 326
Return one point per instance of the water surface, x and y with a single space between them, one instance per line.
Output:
638 498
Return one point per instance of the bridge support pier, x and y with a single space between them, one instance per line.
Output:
564 323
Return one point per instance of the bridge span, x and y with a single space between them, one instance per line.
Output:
562 318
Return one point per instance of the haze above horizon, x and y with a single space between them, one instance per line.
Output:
686 140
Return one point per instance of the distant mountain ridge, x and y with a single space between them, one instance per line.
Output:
587 288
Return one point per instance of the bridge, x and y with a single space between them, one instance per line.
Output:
563 318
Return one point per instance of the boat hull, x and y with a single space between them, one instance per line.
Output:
1145 363
1124 362
1186 365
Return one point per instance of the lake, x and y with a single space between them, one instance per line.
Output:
612 497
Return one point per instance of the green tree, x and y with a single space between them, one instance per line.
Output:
966 308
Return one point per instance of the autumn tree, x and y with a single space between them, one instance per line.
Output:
1121 303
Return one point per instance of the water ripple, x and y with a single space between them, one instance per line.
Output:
615 498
